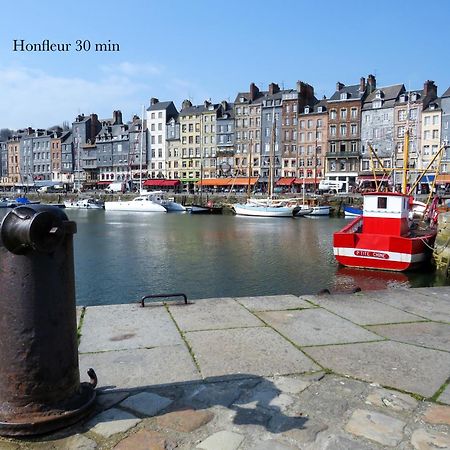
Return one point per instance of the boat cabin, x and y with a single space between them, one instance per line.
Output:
386 213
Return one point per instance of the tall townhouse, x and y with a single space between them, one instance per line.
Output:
344 138
173 148
158 114
225 140
14 173
271 149
113 149
84 131
408 115
445 130
138 149
247 116
67 159
431 134
208 146
293 102
312 143
26 154
55 153
190 118
4 161
377 130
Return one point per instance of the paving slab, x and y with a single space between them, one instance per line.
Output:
253 351
385 430
140 367
316 327
121 327
112 421
273 303
391 400
146 403
213 314
432 305
392 364
423 439
223 440
426 334
362 310
445 396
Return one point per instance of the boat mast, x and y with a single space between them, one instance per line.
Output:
250 168
406 151
271 158
141 151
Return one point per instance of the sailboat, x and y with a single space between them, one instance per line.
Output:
385 237
268 207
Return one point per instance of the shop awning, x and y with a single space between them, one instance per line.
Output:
104 182
427 179
372 178
189 180
242 181
161 182
443 179
285 181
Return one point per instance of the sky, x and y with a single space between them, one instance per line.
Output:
198 50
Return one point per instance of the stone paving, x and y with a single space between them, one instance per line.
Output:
336 372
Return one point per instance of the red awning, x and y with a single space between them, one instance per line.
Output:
104 182
161 182
285 181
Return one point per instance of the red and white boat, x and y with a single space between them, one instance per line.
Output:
384 237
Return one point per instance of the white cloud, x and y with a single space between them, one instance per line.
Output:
36 98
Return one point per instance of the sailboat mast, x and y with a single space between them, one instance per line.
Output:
141 151
250 168
405 161
271 158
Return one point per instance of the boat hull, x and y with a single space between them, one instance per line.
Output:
320 211
132 206
262 211
350 211
380 251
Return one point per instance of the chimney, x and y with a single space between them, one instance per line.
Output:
254 91
117 118
186 104
429 89
206 104
371 84
273 88
339 86
153 101
362 84
224 105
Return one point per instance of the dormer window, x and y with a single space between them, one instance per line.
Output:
344 96
320 109
378 95
242 99
376 104
414 97
306 109
403 98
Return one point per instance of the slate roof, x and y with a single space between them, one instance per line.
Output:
159 106
389 94
437 102
352 90
446 93
196 110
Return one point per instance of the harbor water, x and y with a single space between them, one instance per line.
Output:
120 256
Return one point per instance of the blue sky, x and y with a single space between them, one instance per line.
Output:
177 49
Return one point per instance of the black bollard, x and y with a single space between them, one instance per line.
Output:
40 388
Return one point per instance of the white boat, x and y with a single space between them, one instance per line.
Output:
142 203
302 210
169 203
263 210
323 210
85 203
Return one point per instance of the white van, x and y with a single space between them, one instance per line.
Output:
117 186
331 186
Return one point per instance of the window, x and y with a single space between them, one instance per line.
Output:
343 113
400 132
343 130
333 114
332 130
343 96
382 202
402 114
310 123
413 113
435 134
426 149
427 120
354 128
435 120
427 134
354 113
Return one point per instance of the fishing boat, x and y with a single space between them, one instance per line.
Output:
85 203
208 208
386 236
351 211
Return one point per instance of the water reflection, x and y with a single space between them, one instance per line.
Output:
122 256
